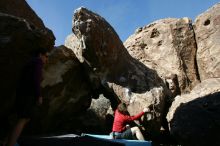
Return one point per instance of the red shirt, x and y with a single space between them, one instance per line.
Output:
121 120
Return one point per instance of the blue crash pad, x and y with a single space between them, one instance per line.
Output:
67 140
84 140
123 141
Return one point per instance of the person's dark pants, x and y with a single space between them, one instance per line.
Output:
127 134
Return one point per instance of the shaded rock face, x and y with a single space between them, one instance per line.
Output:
102 109
194 118
169 47
205 110
206 87
207 29
65 90
173 84
110 63
68 105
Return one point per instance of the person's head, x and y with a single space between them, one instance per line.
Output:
122 108
42 53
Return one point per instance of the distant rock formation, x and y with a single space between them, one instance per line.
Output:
169 47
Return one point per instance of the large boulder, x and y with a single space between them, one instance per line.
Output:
207 30
111 65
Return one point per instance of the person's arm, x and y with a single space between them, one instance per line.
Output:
132 118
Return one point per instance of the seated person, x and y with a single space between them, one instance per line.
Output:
121 119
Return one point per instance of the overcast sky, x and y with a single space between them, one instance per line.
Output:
125 16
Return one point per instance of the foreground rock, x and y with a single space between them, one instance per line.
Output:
193 118
21 33
18 42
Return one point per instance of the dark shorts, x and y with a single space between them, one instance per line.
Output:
127 134
25 106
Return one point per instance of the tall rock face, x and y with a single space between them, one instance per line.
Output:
110 64
169 47
207 29
21 33
193 118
